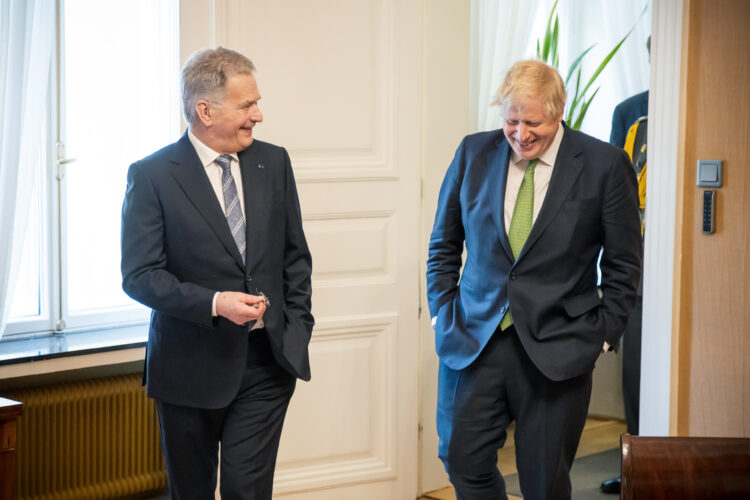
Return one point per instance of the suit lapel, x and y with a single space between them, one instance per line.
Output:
567 168
497 176
255 178
191 177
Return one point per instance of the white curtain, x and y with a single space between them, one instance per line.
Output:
27 38
504 31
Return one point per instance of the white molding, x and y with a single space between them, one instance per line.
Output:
334 326
375 214
659 258
376 160
333 176
373 274
345 470
219 22
323 476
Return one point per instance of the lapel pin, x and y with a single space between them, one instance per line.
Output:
260 165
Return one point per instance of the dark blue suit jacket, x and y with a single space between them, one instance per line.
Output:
625 115
562 322
178 251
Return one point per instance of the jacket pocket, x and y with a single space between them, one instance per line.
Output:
580 304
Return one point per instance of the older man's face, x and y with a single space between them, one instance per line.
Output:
527 127
232 122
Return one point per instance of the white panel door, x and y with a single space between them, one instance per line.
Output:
340 90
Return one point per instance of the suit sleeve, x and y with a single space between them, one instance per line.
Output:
297 263
617 135
622 249
447 238
145 277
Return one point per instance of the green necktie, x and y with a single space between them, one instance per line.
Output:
521 222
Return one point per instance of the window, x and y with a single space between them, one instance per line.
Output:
115 99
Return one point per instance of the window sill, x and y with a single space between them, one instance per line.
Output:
66 351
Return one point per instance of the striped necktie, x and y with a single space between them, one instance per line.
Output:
233 209
521 222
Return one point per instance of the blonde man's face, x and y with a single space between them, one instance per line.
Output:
527 127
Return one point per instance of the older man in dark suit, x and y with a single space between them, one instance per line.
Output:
519 330
212 242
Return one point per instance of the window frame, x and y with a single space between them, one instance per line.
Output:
55 316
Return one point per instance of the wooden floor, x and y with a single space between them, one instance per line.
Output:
598 435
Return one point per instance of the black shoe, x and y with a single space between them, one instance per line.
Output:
610 486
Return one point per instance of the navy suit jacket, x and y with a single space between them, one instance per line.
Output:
178 251
551 289
625 115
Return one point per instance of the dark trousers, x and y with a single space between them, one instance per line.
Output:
631 366
249 430
476 405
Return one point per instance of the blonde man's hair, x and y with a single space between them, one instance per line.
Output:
532 78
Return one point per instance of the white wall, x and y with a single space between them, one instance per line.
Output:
445 121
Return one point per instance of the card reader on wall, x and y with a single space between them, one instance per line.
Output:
710 174
709 211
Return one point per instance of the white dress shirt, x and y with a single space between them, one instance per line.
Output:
542 175
214 172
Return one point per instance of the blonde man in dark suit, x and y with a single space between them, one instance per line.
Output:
519 329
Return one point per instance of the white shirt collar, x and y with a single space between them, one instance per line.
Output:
206 154
549 156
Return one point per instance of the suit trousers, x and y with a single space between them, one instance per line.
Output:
477 404
249 430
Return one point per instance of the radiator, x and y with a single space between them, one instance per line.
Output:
92 439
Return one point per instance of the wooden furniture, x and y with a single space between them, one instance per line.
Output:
685 468
9 411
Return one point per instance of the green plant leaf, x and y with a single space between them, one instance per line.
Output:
584 109
611 54
551 13
547 34
553 45
548 51
604 63
576 63
601 67
574 102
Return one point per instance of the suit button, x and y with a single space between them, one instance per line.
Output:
512 276
248 279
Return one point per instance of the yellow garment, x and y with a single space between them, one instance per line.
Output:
629 146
